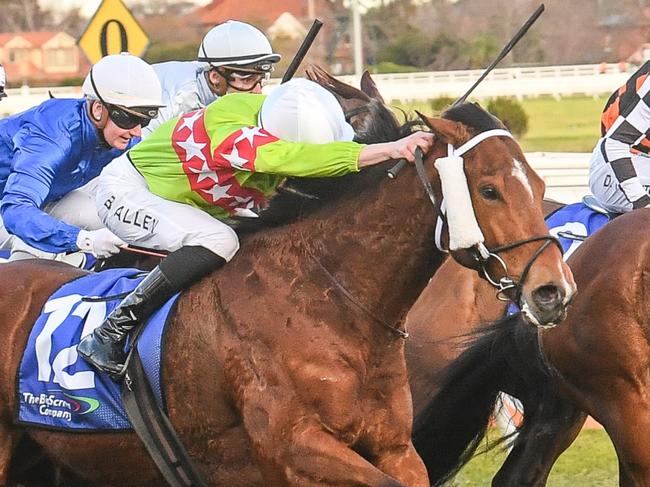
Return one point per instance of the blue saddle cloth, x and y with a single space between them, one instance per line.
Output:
57 389
571 224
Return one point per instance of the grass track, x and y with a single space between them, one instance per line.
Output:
589 462
571 124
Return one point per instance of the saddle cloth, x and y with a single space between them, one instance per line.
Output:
572 224
57 389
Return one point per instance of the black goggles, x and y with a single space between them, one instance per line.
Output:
128 119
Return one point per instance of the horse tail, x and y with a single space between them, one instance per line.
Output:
501 356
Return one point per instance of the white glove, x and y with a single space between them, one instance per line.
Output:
101 243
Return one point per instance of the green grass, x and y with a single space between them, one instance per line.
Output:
571 124
590 461
566 125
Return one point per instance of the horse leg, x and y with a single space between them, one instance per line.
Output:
312 457
541 441
404 464
626 418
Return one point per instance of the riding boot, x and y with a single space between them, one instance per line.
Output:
104 347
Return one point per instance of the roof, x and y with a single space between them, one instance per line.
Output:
34 38
260 11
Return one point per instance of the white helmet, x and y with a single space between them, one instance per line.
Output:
124 80
303 111
235 43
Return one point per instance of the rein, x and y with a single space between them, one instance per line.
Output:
350 297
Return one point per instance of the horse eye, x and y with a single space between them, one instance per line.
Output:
489 193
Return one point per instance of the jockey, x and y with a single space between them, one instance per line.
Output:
50 151
3 82
619 171
172 191
233 57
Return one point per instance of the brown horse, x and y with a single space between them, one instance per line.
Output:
455 303
286 367
595 362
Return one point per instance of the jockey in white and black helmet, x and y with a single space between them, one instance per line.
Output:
233 57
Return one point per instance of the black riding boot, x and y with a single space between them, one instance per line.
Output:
104 347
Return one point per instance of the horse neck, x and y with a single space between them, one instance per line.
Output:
377 244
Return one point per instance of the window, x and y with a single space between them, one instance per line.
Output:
59 58
17 55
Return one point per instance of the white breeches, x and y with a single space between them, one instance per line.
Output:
128 208
76 208
606 188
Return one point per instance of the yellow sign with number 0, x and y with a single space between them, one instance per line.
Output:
113 29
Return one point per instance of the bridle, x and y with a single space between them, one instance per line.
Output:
479 251
506 283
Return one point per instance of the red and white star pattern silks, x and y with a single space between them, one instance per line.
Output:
212 176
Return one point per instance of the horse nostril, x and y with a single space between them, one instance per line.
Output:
548 296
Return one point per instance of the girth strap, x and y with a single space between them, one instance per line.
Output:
155 430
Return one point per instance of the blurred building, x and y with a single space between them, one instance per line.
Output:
625 25
40 57
286 22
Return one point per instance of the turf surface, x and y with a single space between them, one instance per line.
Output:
571 124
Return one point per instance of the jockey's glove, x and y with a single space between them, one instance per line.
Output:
101 243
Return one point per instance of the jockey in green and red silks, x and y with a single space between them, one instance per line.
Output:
178 187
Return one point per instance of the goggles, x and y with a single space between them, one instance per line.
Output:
126 118
243 79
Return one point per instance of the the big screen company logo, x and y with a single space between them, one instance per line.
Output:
59 404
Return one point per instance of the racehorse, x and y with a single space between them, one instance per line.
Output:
455 303
306 383
595 362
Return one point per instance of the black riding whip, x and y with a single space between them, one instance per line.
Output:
302 51
392 173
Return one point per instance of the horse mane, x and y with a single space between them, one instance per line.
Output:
473 115
303 196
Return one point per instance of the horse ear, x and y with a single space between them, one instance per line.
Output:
338 88
369 87
447 131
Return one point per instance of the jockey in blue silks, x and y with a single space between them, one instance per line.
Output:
233 57
49 152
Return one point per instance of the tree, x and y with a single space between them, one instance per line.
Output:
28 15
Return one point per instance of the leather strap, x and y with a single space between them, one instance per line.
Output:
155 430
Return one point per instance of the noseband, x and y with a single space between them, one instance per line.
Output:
479 251
483 255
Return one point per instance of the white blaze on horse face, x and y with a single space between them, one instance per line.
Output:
519 171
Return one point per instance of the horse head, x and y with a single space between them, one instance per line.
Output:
495 223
